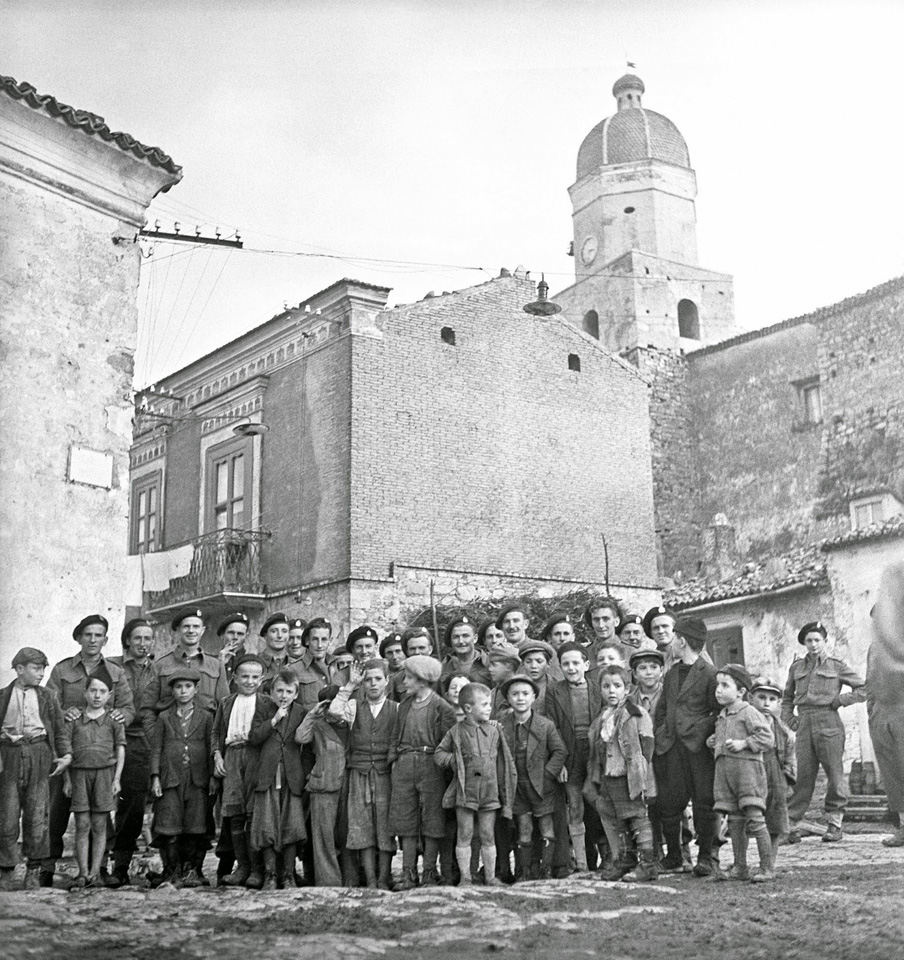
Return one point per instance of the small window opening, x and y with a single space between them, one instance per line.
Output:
574 362
647 270
591 324
447 335
629 209
688 320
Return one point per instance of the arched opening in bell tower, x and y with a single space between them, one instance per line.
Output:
591 324
688 320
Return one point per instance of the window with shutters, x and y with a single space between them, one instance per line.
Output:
229 486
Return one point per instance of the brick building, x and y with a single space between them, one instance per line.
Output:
73 194
457 440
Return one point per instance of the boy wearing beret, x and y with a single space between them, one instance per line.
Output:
812 697
67 681
741 738
685 768
418 784
34 746
181 780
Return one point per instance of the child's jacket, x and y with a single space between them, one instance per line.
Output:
546 751
277 745
449 754
330 742
742 721
177 750
633 734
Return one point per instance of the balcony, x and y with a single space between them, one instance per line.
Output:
224 572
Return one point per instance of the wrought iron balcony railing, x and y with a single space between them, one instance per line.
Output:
225 561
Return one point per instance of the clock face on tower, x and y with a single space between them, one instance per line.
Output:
588 250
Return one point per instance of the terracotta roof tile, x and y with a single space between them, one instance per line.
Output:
89 123
875 531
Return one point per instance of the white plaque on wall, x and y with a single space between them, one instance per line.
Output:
91 467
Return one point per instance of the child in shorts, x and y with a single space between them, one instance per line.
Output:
92 780
742 736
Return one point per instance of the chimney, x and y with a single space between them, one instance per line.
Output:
720 553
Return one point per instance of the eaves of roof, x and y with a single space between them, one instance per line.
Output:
890 530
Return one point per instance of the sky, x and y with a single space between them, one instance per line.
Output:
423 146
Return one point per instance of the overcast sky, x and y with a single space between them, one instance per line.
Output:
446 132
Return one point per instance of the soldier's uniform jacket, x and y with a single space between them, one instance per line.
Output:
138 677
817 681
68 678
158 695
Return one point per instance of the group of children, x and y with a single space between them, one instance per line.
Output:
511 759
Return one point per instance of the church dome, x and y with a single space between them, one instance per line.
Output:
633 133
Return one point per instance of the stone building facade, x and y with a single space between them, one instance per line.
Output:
457 440
72 197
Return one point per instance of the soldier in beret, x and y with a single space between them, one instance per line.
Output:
275 654
233 630
489 635
295 648
67 681
460 640
34 746
137 661
392 650
513 621
810 705
659 625
684 766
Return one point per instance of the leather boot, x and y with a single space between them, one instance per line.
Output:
408 881
288 867
121 863
256 877
269 857
242 869
646 869
737 829
384 867
547 851
578 834
170 857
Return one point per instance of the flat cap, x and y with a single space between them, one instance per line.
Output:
184 673
504 688
89 621
505 653
184 614
30 655
102 674
536 646
766 683
738 673
814 627
249 658
360 633
691 627
651 615
236 617
572 647
424 668
646 654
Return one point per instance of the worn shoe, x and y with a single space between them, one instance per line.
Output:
79 883
674 865
122 875
895 840
833 834
269 883
795 836
46 878
32 878
704 868
190 879
762 876
7 882
408 881
429 878
734 872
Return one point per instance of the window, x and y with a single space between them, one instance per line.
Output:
688 320
591 323
726 645
447 335
866 513
145 514
229 486
574 362
811 403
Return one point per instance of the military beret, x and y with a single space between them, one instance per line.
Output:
427 669
482 630
560 617
691 627
536 646
360 633
249 658
184 673
511 608
30 655
271 621
131 625
814 627
391 639
504 687
328 693
232 618
87 622
183 614
651 615
463 620
766 683
628 619
572 647
738 673
297 623
646 654
337 655
610 602
412 632
318 623
102 674
505 653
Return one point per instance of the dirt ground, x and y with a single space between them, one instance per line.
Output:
829 901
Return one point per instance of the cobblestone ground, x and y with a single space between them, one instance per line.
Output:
828 901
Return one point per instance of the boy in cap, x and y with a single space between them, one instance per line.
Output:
460 640
741 737
372 728
502 662
536 660
418 783
810 708
483 779
314 673
780 761
539 755
620 776
181 780
685 768
234 764
277 814
34 746
92 779
572 705
67 681
137 662
328 735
